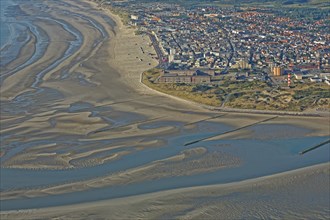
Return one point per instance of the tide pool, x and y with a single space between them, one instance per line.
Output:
5 31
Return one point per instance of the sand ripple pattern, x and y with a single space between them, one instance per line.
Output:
77 125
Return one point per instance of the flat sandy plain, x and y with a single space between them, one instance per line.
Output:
290 195
81 106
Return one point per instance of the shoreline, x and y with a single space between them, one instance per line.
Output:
233 110
70 119
174 194
120 25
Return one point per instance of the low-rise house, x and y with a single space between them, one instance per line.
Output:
325 76
315 79
185 76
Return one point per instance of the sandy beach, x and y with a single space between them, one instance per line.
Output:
76 118
278 193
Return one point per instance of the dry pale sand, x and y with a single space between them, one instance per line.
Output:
298 194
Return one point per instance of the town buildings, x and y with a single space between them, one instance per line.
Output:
186 76
263 40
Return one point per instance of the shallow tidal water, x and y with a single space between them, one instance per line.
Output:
33 117
258 158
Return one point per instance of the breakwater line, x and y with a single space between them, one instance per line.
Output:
314 147
206 119
227 132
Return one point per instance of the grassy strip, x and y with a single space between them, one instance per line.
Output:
246 95
183 91
230 131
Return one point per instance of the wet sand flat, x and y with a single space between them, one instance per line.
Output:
274 196
78 119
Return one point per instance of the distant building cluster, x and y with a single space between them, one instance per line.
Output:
186 76
229 39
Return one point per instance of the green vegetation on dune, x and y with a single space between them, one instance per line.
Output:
123 14
246 95
197 93
298 98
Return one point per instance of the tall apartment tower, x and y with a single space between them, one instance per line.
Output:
171 55
277 71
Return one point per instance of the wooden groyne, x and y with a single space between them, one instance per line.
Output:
230 131
206 119
314 147
265 112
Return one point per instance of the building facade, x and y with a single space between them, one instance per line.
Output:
277 71
185 76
